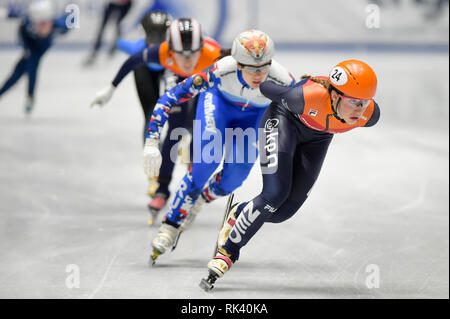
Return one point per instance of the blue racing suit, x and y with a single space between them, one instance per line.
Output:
226 105
34 47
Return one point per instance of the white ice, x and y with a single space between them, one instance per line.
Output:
72 192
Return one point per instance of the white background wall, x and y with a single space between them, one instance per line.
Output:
287 21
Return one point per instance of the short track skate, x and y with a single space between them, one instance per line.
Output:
175 243
207 284
153 257
225 217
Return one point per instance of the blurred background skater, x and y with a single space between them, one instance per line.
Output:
38 28
114 9
152 79
173 8
148 78
305 119
185 52
229 99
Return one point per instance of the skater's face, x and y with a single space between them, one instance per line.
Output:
43 29
254 75
187 62
348 109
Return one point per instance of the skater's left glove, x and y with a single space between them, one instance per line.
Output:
152 158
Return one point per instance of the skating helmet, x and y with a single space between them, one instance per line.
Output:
253 47
355 79
155 24
41 11
185 35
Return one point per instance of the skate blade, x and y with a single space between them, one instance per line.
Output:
206 285
176 241
153 258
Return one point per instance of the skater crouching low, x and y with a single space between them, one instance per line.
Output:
305 119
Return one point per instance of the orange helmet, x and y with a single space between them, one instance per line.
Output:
355 79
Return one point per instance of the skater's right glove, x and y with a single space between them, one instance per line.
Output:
152 158
102 97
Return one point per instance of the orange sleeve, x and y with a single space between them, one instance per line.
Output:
208 55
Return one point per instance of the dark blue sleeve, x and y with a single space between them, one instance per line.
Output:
140 58
288 96
375 116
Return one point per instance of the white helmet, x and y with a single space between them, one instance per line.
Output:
41 11
253 47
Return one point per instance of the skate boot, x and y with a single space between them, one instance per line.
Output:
156 204
164 240
228 223
29 106
217 267
186 224
90 60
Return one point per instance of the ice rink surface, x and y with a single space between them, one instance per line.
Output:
72 192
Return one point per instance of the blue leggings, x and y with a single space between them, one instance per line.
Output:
28 64
214 115
110 10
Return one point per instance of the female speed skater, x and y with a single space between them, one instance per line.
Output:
229 99
113 8
305 119
37 31
185 52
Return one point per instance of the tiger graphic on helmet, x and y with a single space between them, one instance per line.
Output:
255 43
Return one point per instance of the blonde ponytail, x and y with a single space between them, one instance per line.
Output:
322 82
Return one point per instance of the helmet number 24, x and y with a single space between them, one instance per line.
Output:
338 76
